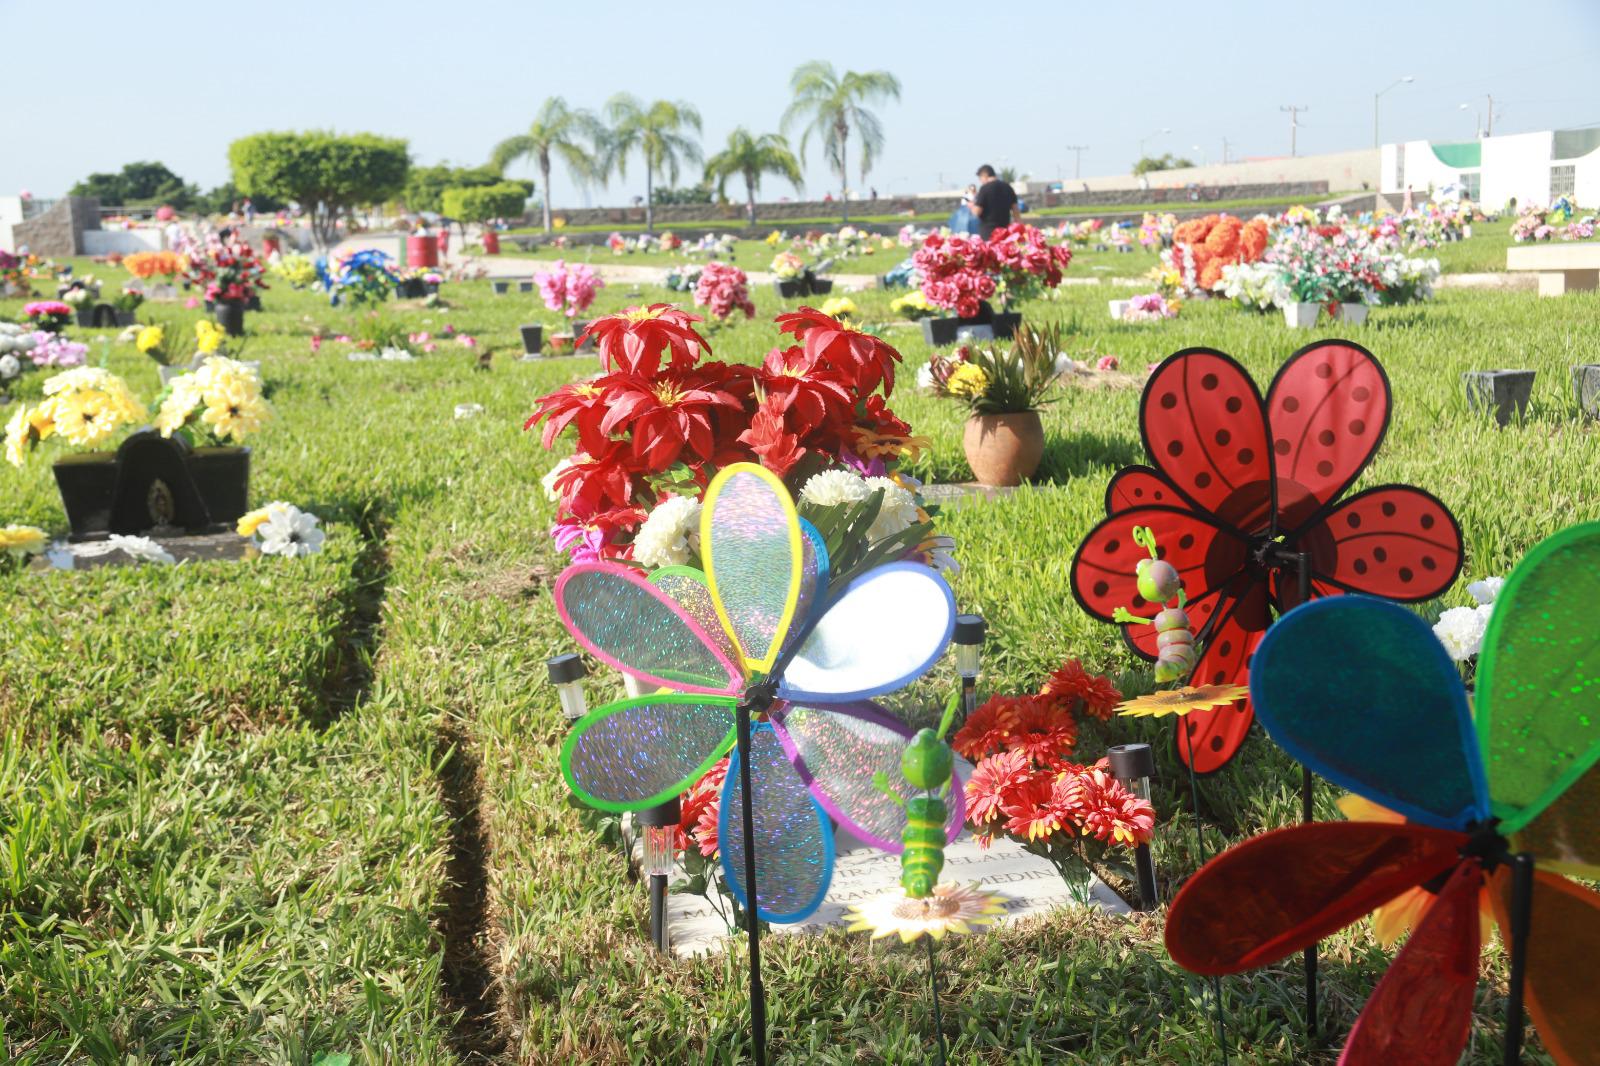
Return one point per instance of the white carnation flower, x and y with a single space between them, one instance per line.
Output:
549 480
9 367
142 549
1460 630
1486 590
899 510
670 536
289 531
834 487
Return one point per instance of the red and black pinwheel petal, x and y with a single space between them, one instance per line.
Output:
1206 740
1393 541
1105 568
1422 1009
1139 486
1265 899
1328 410
1204 427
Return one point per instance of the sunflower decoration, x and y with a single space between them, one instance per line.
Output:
947 909
1182 700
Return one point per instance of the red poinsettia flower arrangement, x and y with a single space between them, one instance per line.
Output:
1242 488
663 411
226 270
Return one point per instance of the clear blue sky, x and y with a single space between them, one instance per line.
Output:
177 80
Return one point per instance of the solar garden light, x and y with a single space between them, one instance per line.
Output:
1134 765
566 674
660 834
970 629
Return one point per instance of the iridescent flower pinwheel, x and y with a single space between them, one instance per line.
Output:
1362 692
1240 487
760 625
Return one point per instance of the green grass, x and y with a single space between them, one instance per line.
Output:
243 803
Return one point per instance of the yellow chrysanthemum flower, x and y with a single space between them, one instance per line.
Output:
149 339
20 541
208 337
27 427
967 380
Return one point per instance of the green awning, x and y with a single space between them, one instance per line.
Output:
1570 144
1465 156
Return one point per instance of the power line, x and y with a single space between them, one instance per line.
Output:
1293 112
1077 151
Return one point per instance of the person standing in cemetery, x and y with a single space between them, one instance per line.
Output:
993 202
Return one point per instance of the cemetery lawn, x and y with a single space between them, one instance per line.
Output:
281 809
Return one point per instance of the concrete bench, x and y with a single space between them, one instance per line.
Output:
1562 267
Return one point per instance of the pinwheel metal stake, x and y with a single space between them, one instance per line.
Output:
762 634
1363 692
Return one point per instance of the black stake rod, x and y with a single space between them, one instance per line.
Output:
1521 923
1200 842
658 911
933 984
758 995
1303 566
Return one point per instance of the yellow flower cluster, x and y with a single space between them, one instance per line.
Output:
20 541
85 405
839 307
911 303
208 337
223 396
149 339
968 379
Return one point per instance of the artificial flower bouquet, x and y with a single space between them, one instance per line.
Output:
147 265
958 272
841 307
219 404
663 417
787 266
51 316
163 346
362 278
84 406
282 529
1001 380
913 305
17 543
722 290
296 271
1203 247
1028 264
128 301
1150 307
1027 786
226 271
568 288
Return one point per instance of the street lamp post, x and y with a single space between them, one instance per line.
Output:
1146 137
1477 120
1378 96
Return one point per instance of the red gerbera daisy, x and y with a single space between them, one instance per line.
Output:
1043 729
1075 686
992 780
1105 809
1240 486
986 729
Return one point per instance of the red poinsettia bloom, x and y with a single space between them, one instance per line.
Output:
596 483
860 358
1240 487
664 415
582 405
795 384
635 340
1082 691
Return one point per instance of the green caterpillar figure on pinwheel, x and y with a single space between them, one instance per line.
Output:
927 765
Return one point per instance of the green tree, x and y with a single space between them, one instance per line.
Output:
557 130
657 133
480 203
750 157
425 187
328 174
832 105
220 201
1152 163
139 184
700 192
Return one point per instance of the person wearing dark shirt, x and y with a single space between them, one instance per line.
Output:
994 202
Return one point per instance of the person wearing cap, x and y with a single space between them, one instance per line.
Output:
993 202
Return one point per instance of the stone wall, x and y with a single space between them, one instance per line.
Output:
732 215
59 231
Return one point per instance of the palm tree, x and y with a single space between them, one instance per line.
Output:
831 105
750 157
657 131
560 130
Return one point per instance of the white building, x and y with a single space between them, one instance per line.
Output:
1531 168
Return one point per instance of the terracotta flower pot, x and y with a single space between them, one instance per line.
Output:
1004 450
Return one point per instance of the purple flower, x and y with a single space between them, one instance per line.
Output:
582 542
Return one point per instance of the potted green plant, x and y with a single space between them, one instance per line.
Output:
1003 388
125 305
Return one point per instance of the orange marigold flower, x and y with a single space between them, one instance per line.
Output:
1083 692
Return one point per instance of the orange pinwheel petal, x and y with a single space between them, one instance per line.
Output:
1267 898
1563 944
1420 1012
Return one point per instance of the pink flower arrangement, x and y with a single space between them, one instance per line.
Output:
1148 307
568 289
1028 262
423 341
957 272
1107 363
723 289
48 315
50 349
617 243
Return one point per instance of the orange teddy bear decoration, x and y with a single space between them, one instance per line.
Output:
1216 241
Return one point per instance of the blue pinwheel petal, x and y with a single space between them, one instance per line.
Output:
1362 693
793 837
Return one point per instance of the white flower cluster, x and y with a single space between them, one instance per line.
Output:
1257 286
670 536
832 488
1461 629
288 531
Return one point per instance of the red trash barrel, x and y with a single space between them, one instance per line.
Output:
270 247
444 241
422 251
491 242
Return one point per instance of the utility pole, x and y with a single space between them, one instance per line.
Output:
1224 150
1077 151
1294 123
1488 117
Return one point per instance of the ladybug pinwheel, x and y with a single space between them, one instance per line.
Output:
1241 490
1362 692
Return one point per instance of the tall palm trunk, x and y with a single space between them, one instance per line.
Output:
649 198
844 168
750 196
544 174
